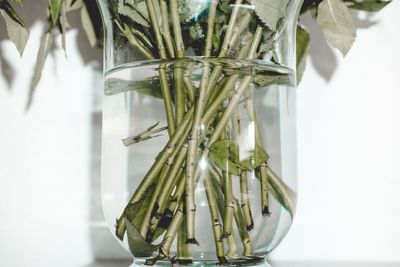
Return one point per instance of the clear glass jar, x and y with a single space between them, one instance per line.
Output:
199 138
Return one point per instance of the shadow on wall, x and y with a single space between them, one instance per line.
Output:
35 11
321 55
103 246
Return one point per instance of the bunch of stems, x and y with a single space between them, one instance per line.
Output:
214 105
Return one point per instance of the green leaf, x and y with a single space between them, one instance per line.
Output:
55 10
368 5
88 26
225 154
272 78
337 24
116 86
192 9
16 29
46 44
271 12
135 214
63 23
18 2
302 46
74 4
136 10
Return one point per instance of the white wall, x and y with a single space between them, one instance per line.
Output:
348 131
349 151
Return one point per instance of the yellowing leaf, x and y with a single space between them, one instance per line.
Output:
17 32
302 46
271 11
225 154
337 24
46 43
88 26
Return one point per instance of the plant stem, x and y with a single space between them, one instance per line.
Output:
264 190
142 37
156 29
165 28
229 31
169 172
173 176
215 219
262 173
178 70
184 250
216 101
287 195
143 136
229 204
245 201
163 76
244 235
155 169
244 191
169 236
196 128
173 229
189 89
134 41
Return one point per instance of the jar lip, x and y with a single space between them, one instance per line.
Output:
226 62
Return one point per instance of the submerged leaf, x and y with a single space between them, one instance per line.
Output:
16 29
271 12
273 78
116 86
225 154
302 46
337 24
368 5
135 214
137 245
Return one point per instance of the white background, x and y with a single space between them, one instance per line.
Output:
348 150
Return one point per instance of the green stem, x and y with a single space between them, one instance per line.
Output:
169 237
244 235
134 41
225 48
155 169
287 195
142 37
244 191
156 28
178 70
229 204
262 170
165 28
264 190
215 219
184 256
174 173
235 100
196 128
189 89
245 201
163 75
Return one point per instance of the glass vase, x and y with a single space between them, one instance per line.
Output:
199 138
